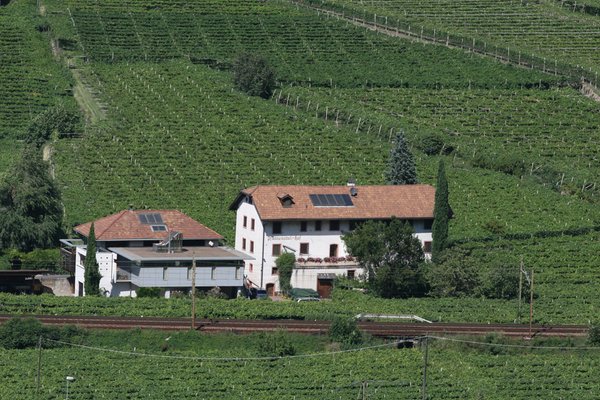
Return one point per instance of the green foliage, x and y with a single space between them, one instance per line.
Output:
434 144
512 164
276 344
594 335
345 330
501 281
36 259
30 205
22 333
285 266
517 40
92 273
57 119
391 256
150 292
401 164
254 76
455 275
441 214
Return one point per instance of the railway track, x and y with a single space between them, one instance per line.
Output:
379 329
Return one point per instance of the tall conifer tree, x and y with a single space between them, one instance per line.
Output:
441 214
401 169
92 273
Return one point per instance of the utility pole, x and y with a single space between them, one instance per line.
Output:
520 289
531 303
193 290
39 367
424 390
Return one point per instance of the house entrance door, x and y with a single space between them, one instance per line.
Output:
324 287
270 289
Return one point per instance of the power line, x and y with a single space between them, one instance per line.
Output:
227 359
520 346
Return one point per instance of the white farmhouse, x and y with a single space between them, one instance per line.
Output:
155 248
309 221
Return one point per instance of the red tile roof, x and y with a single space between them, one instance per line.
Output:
370 202
126 225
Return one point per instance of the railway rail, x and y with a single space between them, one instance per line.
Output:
375 328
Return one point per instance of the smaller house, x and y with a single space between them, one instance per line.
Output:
310 221
155 248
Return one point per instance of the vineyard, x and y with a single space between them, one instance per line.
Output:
177 135
303 48
548 29
382 372
29 79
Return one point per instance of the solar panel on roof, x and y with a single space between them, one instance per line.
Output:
150 219
330 200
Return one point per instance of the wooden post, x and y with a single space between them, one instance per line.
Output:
424 390
193 290
39 367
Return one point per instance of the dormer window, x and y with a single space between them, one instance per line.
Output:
286 200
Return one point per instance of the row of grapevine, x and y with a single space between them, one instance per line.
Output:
385 373
183 139
28 78
549 36
302 47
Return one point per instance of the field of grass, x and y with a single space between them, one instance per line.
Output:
189 365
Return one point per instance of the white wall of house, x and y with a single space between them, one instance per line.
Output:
304 239
107 267
249 240
307 278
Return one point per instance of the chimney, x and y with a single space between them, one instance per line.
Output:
351 182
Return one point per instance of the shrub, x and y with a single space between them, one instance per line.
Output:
254 76
22 333
285 266
276 344
594 335
434 144
345 330
153 292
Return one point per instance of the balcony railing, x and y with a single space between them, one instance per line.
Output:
330 262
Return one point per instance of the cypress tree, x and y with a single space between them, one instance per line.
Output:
401 169
441 214
92 273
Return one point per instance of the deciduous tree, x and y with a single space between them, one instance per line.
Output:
391 256
253 74
30 206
